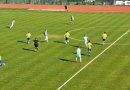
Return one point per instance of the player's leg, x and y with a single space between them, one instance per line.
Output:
1 62
72 21
11 25
80 59
89 51
76 58
35 47
86 42
65 40
103 41
47 38
29 40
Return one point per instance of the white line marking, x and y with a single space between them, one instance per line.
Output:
92 60
119 44
112 26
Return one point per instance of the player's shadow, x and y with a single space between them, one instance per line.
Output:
29 50
81 53
7 26
67 23
21 41
76 46
59 42
66 60
97 43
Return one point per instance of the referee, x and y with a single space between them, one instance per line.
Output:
36 44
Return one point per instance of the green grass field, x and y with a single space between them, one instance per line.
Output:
54 63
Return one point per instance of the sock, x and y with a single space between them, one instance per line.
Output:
76 59
80 60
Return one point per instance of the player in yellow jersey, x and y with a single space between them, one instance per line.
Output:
66 37
28 37
89 46
104 37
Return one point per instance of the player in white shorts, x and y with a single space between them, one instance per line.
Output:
72 19
78 54
46 36
85 39
12 23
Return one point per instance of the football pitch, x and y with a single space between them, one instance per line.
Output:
54 63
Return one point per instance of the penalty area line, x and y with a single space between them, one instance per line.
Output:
92 60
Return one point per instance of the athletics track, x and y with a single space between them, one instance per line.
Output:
73 8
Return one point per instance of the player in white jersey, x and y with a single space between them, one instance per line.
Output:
12 23
46 36
85 39
78 54
72 19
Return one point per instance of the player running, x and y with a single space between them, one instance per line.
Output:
89 46
28 37
12 24
78 54
72 19
36 44
1 63
46 36
85 39
66 37
104 37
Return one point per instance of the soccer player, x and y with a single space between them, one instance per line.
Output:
104 37
46 36
78 54
72 19
28 37
36 44
89 46
66 8
12 24
85 39
1 63
66 37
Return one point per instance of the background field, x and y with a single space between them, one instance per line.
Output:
54 63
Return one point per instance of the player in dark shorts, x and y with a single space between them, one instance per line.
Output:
66 8
36 44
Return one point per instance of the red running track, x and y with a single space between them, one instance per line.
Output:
73 8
